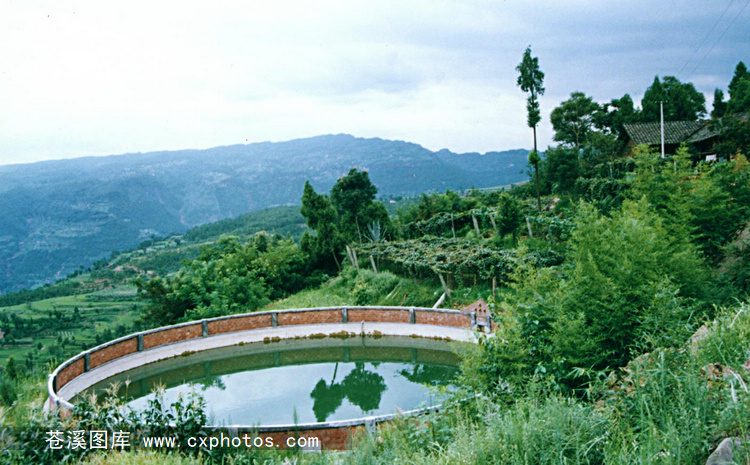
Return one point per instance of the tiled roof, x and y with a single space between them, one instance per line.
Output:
480 306
675 132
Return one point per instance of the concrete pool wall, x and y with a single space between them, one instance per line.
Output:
99 363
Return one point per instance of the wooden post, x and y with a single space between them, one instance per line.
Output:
528 226
453 227
440 301
494 285
374 268
492 218
445 285
352 257
476 225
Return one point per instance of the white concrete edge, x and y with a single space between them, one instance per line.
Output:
128 362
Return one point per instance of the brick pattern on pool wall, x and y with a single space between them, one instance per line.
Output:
70 372
457 320
309 318
330 438
113 352
231 325
169 336
382 316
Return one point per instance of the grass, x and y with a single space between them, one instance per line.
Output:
364 287
61 326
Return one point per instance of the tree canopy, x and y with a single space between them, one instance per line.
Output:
739 90
682 102
574 119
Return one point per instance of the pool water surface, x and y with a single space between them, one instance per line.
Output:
299 381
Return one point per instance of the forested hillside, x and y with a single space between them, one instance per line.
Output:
57 216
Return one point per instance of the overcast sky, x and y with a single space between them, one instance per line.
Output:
84 78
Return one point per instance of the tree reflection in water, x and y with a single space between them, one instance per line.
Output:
430 375
361 387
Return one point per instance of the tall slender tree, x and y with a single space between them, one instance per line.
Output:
530 79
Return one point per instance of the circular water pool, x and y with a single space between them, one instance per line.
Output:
299 381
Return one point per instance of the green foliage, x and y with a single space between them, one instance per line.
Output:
69 287
669 406
551 431
534 161
628 281
708 203
678 404
8 391
353 197
623 289
719 105
464 259
365 287
321 217
509 216
531 79
574 120
453 215
182 419
613 115
736 136
10 369
344 218
736 263
228 277
682 102
281 220
561 169
739 90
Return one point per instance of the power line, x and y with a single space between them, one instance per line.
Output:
721 36
706 37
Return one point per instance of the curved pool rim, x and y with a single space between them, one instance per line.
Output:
103 361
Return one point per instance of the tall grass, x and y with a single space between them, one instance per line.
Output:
672 406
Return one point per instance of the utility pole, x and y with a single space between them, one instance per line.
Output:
661 107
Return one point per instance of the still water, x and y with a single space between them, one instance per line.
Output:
300 381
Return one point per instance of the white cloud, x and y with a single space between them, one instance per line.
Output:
94 78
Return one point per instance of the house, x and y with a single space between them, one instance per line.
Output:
698 133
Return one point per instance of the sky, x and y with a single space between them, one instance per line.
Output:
83 78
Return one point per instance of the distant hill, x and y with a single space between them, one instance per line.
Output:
57 216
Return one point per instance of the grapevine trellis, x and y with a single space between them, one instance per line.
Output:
462 259
441 224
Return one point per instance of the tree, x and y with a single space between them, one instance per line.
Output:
613 115
739 90
530 79
681 101
574 119
720 106
534 160
321 217
10 369
510 215
353 197
627 283
561 169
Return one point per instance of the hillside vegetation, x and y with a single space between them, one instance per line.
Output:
58 216
618 280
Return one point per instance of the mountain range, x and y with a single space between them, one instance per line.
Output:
58 216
